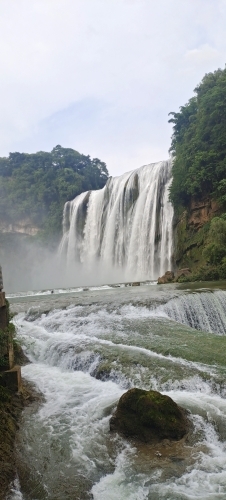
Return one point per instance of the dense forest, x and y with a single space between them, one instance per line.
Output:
199 143
199 172
37 185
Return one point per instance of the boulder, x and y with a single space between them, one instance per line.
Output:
168 277
149 416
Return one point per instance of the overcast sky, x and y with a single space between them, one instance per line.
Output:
101 76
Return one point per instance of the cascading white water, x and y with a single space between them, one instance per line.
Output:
127 225
202 311
85 353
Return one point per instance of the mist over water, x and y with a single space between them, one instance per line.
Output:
122 232
29 266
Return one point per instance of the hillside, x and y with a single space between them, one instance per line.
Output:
34 188
198 189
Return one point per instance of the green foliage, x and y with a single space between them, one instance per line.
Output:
217 232
214 253
199 143
37 185
4 395
208 252
204 273
215 250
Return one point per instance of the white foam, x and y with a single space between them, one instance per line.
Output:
66 346
123 483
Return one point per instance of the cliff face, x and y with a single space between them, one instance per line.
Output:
24 226
201 212
191 232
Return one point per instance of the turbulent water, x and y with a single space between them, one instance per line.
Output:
126 226
86 348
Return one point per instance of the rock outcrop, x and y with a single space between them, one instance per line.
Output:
168 277
24 226
183 273
191 232
149 416
201 211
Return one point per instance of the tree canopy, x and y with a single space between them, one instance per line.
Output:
199 143
37 185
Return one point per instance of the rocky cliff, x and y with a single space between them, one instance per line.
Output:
191 232
24 226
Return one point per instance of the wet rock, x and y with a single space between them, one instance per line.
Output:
168 277
11 407
103 372
19 357
149 416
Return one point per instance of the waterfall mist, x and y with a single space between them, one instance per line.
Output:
123 231
28 265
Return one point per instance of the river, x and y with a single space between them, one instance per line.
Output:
87 347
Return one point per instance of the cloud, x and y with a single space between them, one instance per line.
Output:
202 56
101 76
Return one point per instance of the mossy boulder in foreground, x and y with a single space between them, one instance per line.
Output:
149 416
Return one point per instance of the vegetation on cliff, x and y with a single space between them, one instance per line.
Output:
199 143
199 178
37 185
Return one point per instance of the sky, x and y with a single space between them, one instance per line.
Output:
101 76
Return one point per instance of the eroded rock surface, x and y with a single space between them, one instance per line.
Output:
168 277
183 273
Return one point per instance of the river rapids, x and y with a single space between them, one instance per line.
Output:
86 348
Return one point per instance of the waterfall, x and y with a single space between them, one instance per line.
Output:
126 226
203 311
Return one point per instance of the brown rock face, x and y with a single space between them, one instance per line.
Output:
183 272
149 416
168 277
201 211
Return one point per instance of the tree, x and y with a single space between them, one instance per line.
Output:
37 185
199 143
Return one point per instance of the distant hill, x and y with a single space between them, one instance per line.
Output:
34 188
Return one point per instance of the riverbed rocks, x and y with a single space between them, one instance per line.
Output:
168 277
149 416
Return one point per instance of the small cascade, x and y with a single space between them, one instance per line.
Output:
203 311
126 226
